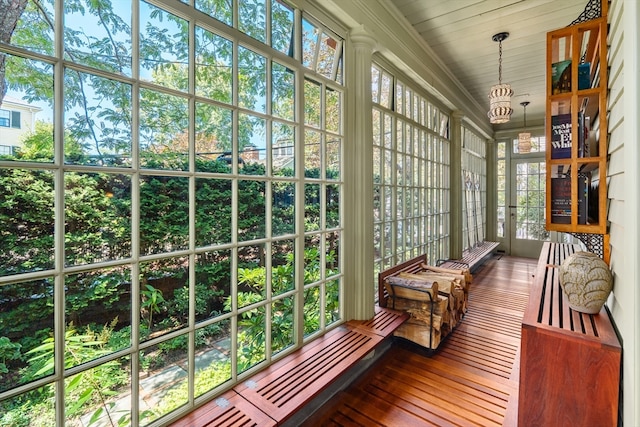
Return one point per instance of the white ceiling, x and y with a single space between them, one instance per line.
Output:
460 33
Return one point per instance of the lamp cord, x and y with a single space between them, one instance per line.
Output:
500 62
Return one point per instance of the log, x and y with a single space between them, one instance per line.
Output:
465 271
419 333
416 288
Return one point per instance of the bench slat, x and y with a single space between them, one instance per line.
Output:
228 410
383 323
290 383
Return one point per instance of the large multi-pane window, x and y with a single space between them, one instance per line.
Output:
411 173
474 188
174 221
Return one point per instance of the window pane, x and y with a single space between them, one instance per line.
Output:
164 214
161 359
251 338
34 30
252 18
214 131
99 37
283 267
282 149
88 393
26 213
251 210
282 326
98 118
333 111
282 27
333 158
312 103
328 56
164 131
161 282
214 66
97 217
310 35
333 206
221 10
312 207
213 284
283 208
26 323
252 144
282 87
213 364
252 80
312 147
164 48
213 211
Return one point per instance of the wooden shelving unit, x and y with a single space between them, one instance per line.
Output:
576 129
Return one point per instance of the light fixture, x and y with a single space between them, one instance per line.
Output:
500 95
524 138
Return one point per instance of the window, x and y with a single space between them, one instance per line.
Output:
474 192
411 173
192 227
10 119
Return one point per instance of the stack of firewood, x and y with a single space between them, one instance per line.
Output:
444 290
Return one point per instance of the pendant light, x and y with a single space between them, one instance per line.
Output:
500 95
524 138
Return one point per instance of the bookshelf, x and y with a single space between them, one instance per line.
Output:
576 129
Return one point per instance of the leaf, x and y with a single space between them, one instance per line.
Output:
96 415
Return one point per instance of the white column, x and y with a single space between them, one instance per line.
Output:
359 298
492 190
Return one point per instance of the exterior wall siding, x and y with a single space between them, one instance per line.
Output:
622 175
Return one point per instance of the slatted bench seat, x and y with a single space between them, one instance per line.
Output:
569 361
471 258
284 387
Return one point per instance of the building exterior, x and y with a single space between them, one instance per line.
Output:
17 118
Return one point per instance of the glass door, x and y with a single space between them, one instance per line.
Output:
525 226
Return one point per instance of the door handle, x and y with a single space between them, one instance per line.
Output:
512 206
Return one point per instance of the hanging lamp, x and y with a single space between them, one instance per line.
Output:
500 95
524 138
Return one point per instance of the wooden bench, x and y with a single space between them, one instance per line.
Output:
569 361
273 395
471 258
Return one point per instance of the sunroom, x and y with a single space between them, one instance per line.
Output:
193 190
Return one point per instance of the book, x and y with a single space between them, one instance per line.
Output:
561 136
561 77
561 200
561 196
584 76
583 133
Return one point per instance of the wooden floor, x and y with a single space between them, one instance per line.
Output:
471 380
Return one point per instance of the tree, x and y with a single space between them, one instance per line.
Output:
11 11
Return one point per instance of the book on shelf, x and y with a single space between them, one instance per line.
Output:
583 135
561 136
584 75
561 77
561 195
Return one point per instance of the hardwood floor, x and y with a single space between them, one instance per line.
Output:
471 380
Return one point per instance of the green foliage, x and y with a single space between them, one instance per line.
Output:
8 351
206 379
26 213
87 389
152 302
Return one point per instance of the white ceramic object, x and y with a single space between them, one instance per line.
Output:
586 281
